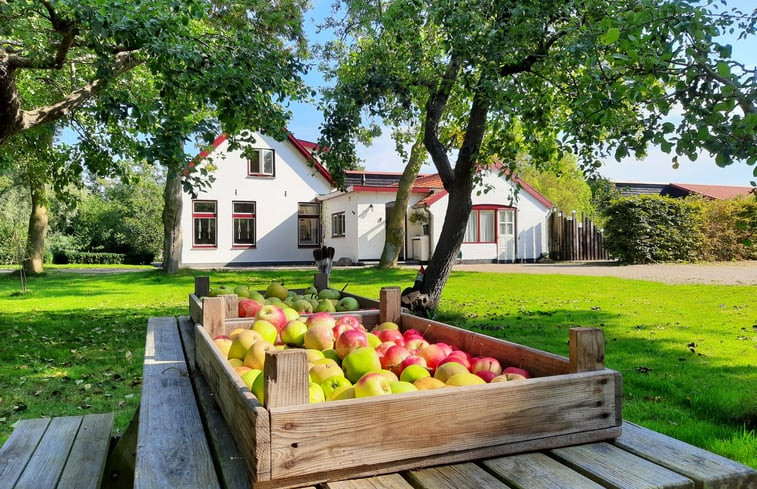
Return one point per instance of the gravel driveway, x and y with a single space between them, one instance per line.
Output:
726 273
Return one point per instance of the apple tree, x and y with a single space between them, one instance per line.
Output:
596 78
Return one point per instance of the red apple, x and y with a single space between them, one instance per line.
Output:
383 347
486 363
412 360
372 384
390 335
273 315
415 343
458 356
516 370
341 328
393 357
444 346
350 340
412 333
349 320
487 375
322 317
433 354
248 308
319 337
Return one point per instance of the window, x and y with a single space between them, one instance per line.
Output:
204 223
309 225
480 228
243 217
337 224
506 222
261 162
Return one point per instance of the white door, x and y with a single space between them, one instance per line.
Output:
506 235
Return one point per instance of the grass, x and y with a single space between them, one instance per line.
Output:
688 353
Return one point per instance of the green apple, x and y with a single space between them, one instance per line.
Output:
290 313
411 373
315 393
257 296
242 291
311 290
463 379
325 305
302 306
342 393
332 384
319 337
372 384
293 333
258 387
267 330
401 386
242 342
347 304
331 353
329 294
255 357
447 370
387 325
249 376
314 355
323 369
373 340
236 362
276 289
359 362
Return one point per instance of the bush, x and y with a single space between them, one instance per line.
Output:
134 258
85 258
727 229
650 229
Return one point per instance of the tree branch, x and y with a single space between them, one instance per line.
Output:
434 110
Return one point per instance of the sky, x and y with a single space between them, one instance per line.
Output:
655 168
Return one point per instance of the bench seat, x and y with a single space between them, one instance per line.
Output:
56 453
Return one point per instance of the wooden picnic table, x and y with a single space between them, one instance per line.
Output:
183 441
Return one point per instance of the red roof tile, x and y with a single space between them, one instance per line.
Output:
715 191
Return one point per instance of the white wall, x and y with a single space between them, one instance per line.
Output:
276 200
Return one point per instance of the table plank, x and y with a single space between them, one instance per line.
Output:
390 481
46 465
172 450
458 476
538 471
18 449
708 470
618 469
86 462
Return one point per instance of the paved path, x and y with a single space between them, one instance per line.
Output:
733 273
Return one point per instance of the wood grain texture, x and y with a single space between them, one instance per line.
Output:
708 470
390 305
286 378
460 476
587 349
195 308
537 471
230 465
46 464
86 462
389 481
616 468
202 286
172 450
214 315
248 421
307 439
18 449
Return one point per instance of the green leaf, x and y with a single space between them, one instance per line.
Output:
611 36
723 69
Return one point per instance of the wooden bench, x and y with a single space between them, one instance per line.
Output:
63 452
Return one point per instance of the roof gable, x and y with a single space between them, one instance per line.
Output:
721 192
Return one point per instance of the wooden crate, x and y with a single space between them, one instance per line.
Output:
288 442
202 288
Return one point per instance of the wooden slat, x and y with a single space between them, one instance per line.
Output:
460 476
86 462
537 471
390 304
171 450
389 481
18 449
195 308
46 465
587 349
214 315
286 378
616 468
232 470
202 286
306 439
707 469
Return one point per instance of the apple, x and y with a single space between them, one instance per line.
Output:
414 372
516 370
302 306
276 289
412 333
249 376
347 304
248 308
314 354
458 356
487 375
372 384
257 296
241 369
373 340
321 317
341 328
255 357
412 360
293 333
332 384
427 383
401 386
349 319
433 354
236 331
290 314
486 363
242 343
258 387
224 344
387 325
267 331
393 357
273 314
350 340
325 305
444 372
342 393
332 354
383 347
360 361
463 379
235 362
242 291
329 294
415 343
324 369
315 393
390 335
319 337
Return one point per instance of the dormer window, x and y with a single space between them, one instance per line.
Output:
261 163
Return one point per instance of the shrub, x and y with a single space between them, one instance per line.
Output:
649 229
727 229
86 258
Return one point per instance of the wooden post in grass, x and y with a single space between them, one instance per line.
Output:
321 281
202 286
587 350
390 305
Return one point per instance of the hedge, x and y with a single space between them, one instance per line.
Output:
88 258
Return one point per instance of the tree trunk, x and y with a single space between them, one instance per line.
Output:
395 226
35 243
172 238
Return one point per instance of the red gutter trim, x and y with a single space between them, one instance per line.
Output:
301 148
368 188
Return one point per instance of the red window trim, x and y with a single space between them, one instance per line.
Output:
244 215
204 215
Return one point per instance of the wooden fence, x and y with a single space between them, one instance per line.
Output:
574 239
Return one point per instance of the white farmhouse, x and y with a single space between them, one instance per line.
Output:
281 204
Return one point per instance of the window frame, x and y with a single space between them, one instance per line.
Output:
478 210
310 217
261 163
252 216
204 215
338 217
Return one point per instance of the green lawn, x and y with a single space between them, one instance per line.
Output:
688 353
